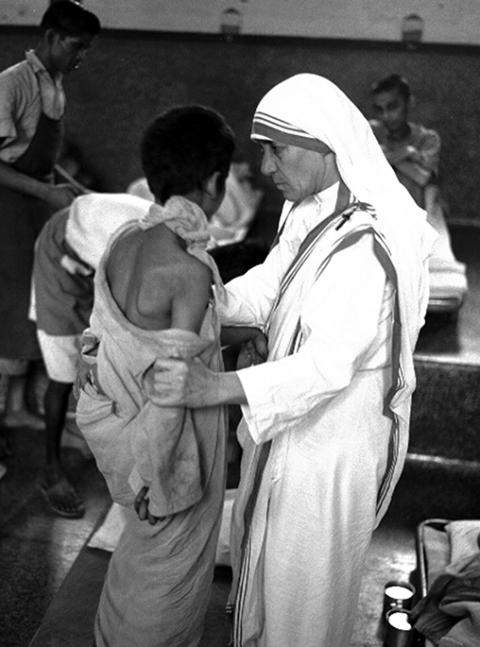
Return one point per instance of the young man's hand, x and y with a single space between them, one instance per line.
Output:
141 507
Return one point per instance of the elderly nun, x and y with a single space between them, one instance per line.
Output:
341 298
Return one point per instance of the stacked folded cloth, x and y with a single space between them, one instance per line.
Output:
448 280
449 615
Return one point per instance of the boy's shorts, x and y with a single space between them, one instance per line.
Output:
60 355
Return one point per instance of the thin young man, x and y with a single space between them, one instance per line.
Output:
154 296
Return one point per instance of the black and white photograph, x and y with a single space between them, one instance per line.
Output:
239 323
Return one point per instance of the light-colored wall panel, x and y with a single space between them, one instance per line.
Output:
22 12
445 21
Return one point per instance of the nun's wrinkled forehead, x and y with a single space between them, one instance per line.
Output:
266 127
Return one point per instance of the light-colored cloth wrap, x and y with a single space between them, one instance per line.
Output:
156 590
135 442
342 296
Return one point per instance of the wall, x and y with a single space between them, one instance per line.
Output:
444 21
130 76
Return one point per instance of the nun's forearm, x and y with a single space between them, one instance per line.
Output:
228 389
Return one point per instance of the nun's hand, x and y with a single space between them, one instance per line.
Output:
181 382
254 351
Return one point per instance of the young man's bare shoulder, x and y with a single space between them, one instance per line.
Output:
184 271
179 290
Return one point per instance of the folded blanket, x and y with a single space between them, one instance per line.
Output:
447 276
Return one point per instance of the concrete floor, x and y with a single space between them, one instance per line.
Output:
49 581
38 550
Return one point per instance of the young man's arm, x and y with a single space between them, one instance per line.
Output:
414 171
187 297
190 296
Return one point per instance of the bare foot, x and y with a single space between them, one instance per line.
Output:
23 418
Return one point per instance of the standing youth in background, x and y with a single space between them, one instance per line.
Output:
342 297
32 104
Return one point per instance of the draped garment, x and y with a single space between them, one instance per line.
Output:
322 405
156 589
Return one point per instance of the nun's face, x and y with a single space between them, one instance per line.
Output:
298 172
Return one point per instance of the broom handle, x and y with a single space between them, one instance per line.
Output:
70 180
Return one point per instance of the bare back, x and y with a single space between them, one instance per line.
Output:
156 283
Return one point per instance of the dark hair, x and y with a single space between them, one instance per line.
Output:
69 18
393 82
183 147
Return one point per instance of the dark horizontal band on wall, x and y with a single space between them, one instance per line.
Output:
344 43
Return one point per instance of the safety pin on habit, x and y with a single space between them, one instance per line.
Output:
344 217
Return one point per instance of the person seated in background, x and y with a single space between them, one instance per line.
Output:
412 149
414 153
67 253
154 296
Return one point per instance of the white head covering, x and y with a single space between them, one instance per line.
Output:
309 111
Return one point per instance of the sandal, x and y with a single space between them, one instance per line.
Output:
63 499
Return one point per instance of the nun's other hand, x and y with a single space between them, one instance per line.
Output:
254 351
